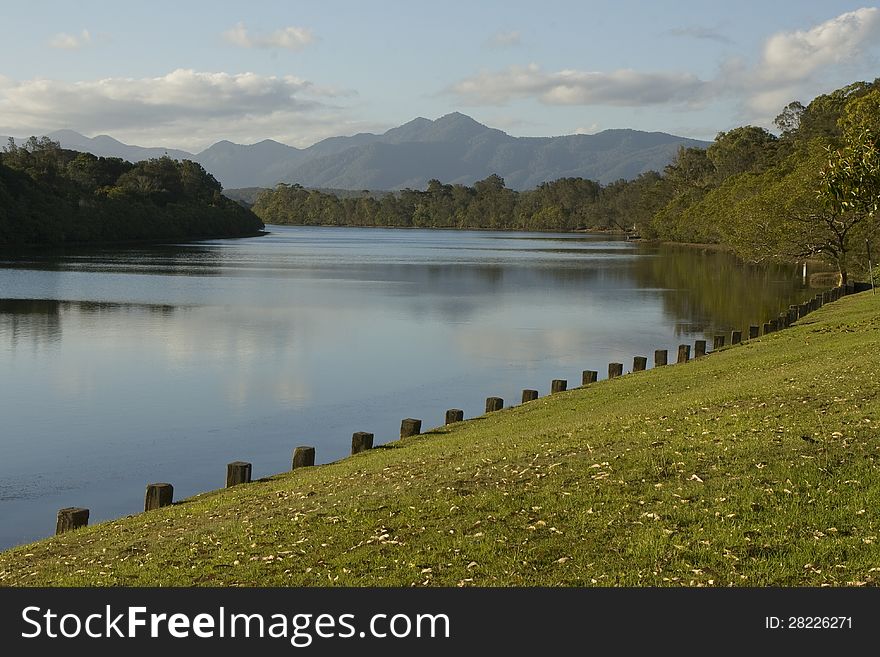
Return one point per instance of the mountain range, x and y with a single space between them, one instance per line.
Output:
453 149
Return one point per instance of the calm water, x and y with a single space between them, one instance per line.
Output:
164 363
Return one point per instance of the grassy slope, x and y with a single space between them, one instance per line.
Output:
758 465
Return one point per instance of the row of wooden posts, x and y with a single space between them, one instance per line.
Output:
239 472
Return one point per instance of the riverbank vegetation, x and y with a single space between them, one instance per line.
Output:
52 196
758 465
812 191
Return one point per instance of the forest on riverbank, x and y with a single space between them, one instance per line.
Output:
51 196
811 191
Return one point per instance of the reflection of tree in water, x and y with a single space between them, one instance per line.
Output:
39 321
714 290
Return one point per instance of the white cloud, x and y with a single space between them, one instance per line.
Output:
791 65
572 87
66 41
802 64
793 56
592 129
290 38
184 108
504 40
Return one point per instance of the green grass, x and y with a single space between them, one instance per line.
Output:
758 465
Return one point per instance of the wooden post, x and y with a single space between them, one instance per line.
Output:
782 321
72 517
614 369
494 404
826 297
589 376
640 363
454 415
661 357
774 325
558 385
410 427
717 342
699 348
736 337
303 457
684 353
767 328
753 332
158 495
361 441
238 472
803 310
529 395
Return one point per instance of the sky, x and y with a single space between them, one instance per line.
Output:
187 74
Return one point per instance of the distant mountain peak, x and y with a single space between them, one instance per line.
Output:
454 148
458 117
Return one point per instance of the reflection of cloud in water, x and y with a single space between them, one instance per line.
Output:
237 343
561 345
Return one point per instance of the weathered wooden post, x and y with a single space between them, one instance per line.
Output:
736 337
826 297
361 441
558 385
158 495
238 472
803 310
73 517
410 427
454 415
303 457
717 342
767 328
753 332
529 395
699 348
589 376
774 325
684 353
615 369
494 404
782 321
661 357
640 363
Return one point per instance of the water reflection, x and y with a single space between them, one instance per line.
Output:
163 363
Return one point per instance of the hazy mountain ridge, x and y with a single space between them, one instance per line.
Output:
453 149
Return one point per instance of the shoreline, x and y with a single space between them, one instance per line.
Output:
121 243
509 439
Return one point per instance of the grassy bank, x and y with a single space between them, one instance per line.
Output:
758 465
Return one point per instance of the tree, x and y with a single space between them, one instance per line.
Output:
740 150
789 120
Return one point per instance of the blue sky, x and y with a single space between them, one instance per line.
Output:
186 74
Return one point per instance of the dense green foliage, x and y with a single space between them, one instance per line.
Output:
52 196
565 204
811 192
758 465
